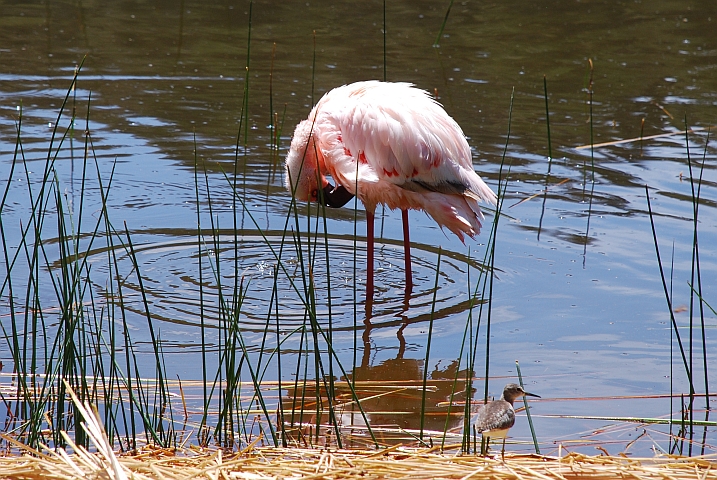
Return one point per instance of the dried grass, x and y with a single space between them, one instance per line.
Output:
400 463
258 462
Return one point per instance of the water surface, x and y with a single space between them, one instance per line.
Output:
578 298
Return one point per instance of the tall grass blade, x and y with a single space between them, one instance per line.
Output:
385 63
527 409
688 371
428 343
437 42
502 188
550 155
592 162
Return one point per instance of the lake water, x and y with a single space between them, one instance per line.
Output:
578 299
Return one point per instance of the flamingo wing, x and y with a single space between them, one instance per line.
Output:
406 138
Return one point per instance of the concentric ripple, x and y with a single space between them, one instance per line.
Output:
274 266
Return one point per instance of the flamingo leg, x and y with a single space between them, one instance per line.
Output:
369 256
407 252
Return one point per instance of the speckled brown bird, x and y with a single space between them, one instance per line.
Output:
495 418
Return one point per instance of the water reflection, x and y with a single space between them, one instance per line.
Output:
398 400
392 398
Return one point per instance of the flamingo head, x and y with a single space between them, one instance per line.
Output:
304 177
302 172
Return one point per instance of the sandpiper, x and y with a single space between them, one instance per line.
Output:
495 418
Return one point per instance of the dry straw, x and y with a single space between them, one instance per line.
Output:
400 463
306 463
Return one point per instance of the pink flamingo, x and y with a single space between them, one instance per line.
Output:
390 144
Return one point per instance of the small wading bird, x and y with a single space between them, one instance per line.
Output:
495 418
390 144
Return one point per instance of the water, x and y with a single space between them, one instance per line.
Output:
578 298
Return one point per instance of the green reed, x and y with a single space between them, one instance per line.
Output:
590 102
305 241
527 409
202 320
437 42
57 333
687 352
306 251
550 155
481 295
695 273
92 347
428 344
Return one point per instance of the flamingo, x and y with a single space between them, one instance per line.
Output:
390 144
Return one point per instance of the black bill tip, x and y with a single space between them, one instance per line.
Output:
335 197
